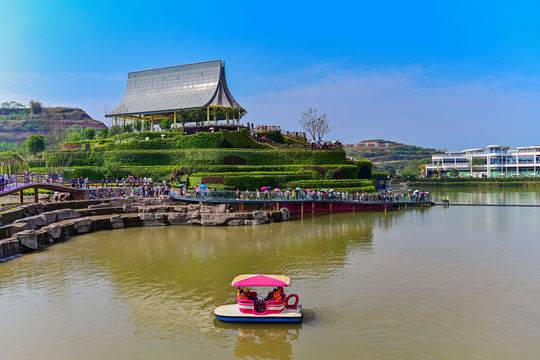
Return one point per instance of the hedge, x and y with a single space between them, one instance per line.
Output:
202 140
222 157
321 170
98 172
379 175
367 188
73 158
364 168
256 181
330 184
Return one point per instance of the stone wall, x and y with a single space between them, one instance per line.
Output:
43 226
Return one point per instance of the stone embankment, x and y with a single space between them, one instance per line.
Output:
36 226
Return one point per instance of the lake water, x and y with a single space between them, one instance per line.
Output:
438 283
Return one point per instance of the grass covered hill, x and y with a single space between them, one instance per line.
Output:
391 156
17 123
222 159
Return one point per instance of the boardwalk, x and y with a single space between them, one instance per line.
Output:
306 206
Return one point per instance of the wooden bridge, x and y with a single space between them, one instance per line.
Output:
76 193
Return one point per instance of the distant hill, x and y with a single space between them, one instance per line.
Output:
16 124
385 154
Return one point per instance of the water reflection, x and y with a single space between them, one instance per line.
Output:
260 341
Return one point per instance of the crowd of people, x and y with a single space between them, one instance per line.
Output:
419 196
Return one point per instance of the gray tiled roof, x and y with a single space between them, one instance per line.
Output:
174 88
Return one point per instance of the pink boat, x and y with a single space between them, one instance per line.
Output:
275 307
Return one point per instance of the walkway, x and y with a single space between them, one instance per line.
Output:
306 206
77 193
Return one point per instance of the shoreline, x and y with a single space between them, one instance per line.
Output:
36 226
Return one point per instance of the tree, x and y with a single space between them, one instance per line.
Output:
315 125
454 173
102 133
165 124
35 144
137 125
88 133
35 106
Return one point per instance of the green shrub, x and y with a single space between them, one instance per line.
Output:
176 140
218 156
364 168
73 158
379 175
256 181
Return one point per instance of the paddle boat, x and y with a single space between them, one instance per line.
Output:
277 307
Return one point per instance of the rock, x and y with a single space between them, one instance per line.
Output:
160 208
68 229
259 215
117 222
43 237
236 222
129 208
214 219
100 206
9 247
193 207
180 208
248 222
28 239
101 224
194 221
221 208
285 214
82 225
49 217
152 219
65 214
54 231
32 222
178 218
131 220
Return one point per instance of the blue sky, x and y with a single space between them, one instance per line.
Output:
448 74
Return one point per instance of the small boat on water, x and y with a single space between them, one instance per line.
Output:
276 307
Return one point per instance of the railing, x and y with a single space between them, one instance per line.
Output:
330 196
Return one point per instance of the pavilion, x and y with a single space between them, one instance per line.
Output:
191 93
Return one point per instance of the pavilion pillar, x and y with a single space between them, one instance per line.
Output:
215 116
123 121
227 116
208 115
174 120
115 121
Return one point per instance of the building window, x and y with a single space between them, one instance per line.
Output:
526 159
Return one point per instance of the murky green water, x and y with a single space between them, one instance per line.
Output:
456 283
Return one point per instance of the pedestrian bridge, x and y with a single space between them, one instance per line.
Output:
76 193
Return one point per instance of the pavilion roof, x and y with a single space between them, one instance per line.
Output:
174 88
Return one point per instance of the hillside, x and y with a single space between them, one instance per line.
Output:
223 160
16 124
390 155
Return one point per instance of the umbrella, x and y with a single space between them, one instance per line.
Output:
203 186
263 188
277 189
298 189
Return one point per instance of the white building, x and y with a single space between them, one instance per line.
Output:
493 161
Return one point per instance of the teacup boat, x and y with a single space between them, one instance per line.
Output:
276 307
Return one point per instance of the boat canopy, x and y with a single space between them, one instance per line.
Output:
261 280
